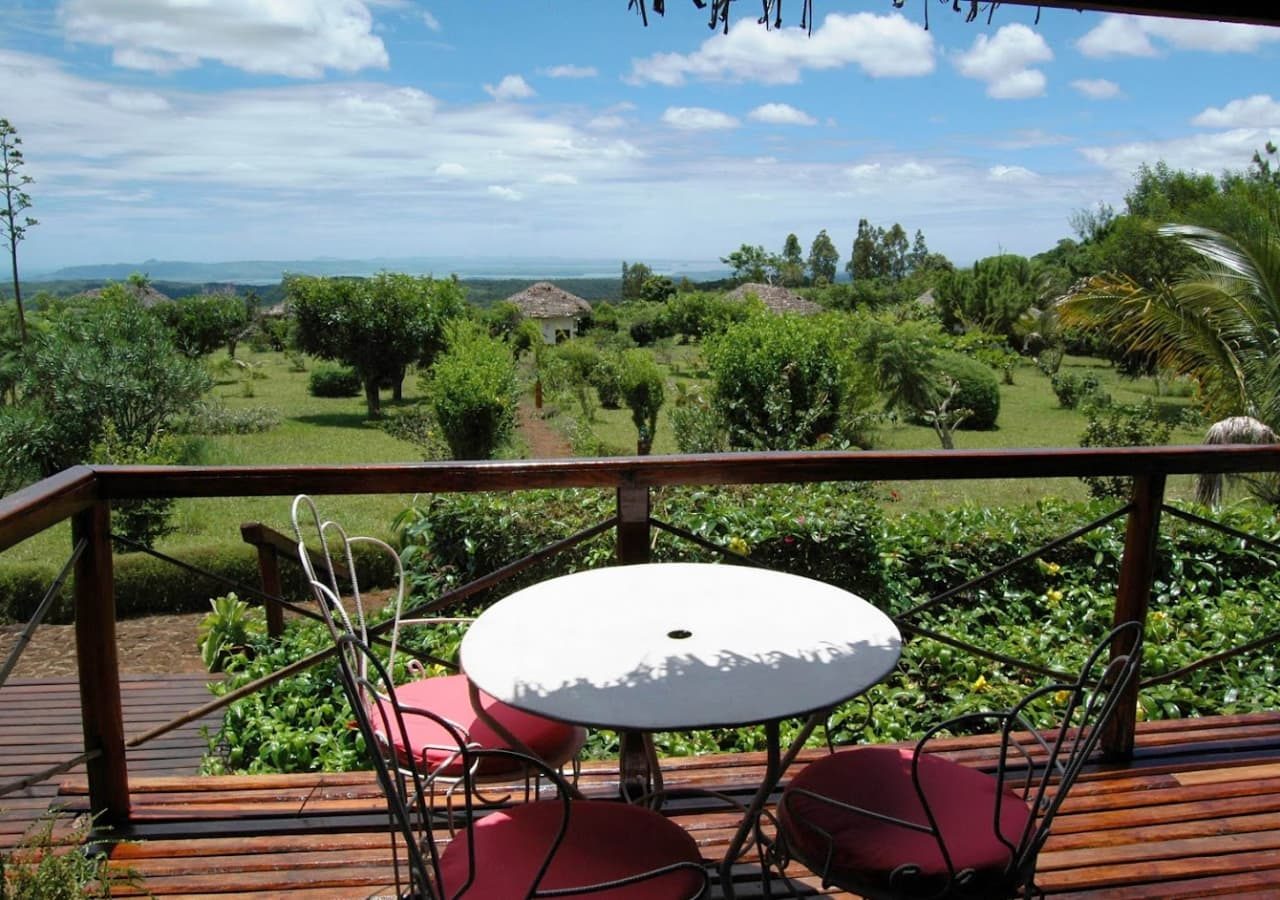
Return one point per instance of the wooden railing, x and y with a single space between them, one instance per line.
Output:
84 495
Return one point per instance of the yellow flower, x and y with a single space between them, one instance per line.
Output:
1054 595
981 683
739 546
1061 697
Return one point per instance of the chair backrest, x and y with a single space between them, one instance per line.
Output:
1043 769
378 712
331 581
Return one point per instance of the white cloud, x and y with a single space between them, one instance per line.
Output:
1257 111
882 46
450 170
506 193
297 38
1011 173
781 114
430 21
1004 62
697 118
1029 139
1097 88
558 178
1210 153
571 71
137 101
1132 36
606 123
1116 36
863 170
511 87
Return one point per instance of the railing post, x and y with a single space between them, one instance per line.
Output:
638 773
101 709
633 524
1133 595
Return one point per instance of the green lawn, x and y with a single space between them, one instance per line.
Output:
324 430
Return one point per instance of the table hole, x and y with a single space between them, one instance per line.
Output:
679 634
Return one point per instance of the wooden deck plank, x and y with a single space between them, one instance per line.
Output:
1196 813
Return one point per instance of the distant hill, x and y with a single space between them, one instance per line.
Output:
271 271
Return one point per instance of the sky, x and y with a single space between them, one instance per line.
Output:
212 130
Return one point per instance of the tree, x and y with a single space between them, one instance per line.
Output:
377 326
822 259
750 263
205 322
1218 323
642 390
109 363
791 263
633 279
13 225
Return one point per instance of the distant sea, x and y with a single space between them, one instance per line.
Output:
271 271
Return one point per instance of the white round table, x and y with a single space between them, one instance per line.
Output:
681 646
678 646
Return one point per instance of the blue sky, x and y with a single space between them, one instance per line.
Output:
292 129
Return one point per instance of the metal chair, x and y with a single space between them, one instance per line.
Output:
909 824
551 847
451 698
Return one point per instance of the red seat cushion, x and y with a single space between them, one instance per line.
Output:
866 850
449 696
605 841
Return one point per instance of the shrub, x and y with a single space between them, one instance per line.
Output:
205 322
1070 388
606 378
227 630
696 425
214 417
1136 425
333 381
642 389
978 391
65 867
778 382
143 521
473 393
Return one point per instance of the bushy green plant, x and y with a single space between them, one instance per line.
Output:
1071 389
45 867
1122 425
333 381
226 630
778 383
144 521
606 379
642 383
418 426
211 417
205 322
473 392
109 360
570 369
977 389
696 424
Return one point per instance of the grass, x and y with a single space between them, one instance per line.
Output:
313 430
335 430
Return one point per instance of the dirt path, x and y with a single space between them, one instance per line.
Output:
543 441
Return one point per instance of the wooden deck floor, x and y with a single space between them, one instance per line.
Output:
40 727
1195 814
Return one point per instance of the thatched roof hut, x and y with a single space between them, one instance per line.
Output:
546 301
776 298
556 310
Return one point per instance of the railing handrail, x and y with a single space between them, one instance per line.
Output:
41 505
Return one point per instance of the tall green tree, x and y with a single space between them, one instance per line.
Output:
791 262
643 392
473 391
14 225
377 326
823 258
633 279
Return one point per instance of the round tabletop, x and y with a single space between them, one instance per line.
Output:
678 646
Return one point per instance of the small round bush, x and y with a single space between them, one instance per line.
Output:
979 389
331 381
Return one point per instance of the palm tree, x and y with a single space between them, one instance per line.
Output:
1218 324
